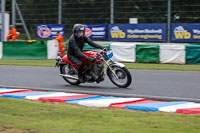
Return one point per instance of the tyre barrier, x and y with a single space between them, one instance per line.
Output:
142 104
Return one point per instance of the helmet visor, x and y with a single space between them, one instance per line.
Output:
80 33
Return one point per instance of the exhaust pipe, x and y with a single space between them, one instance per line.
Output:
69 76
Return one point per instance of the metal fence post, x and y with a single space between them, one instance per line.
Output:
23 22
111 11
169 22
13 13
59 11
3 5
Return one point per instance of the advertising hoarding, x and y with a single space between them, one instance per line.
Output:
49 30
185 32
137 32
96 31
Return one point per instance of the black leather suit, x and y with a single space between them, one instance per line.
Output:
75 50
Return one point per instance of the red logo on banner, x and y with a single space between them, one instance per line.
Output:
88 32
43 31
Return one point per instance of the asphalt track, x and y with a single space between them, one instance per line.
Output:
151 84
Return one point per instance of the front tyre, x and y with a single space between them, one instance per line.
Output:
68 69
124 77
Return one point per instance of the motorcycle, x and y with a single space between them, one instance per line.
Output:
94 72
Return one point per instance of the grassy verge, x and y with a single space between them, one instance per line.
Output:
145 66
38 117
44 63
176 67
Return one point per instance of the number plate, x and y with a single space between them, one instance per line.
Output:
110 55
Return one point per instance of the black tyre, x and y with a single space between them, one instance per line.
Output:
66 69
124 76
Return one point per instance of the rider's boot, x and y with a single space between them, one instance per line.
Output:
81 79
80 76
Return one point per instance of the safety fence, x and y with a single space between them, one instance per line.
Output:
123 51
156 53
70 12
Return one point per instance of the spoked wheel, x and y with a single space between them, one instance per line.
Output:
124 77
68 69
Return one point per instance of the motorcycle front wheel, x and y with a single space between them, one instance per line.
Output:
68 69
124 77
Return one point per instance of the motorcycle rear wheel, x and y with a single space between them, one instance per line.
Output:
64 69
124 76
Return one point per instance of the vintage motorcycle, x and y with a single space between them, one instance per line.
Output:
94 72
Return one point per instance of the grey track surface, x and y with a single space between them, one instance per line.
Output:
151 84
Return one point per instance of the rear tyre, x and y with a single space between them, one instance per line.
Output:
124 76
68 69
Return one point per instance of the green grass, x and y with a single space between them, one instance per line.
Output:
145 66
176 67
22 115
44 63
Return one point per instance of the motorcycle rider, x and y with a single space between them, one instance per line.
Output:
76 43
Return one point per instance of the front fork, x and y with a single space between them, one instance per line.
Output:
109 66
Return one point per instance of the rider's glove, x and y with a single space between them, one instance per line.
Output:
92 59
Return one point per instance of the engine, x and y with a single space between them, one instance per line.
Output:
97 72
